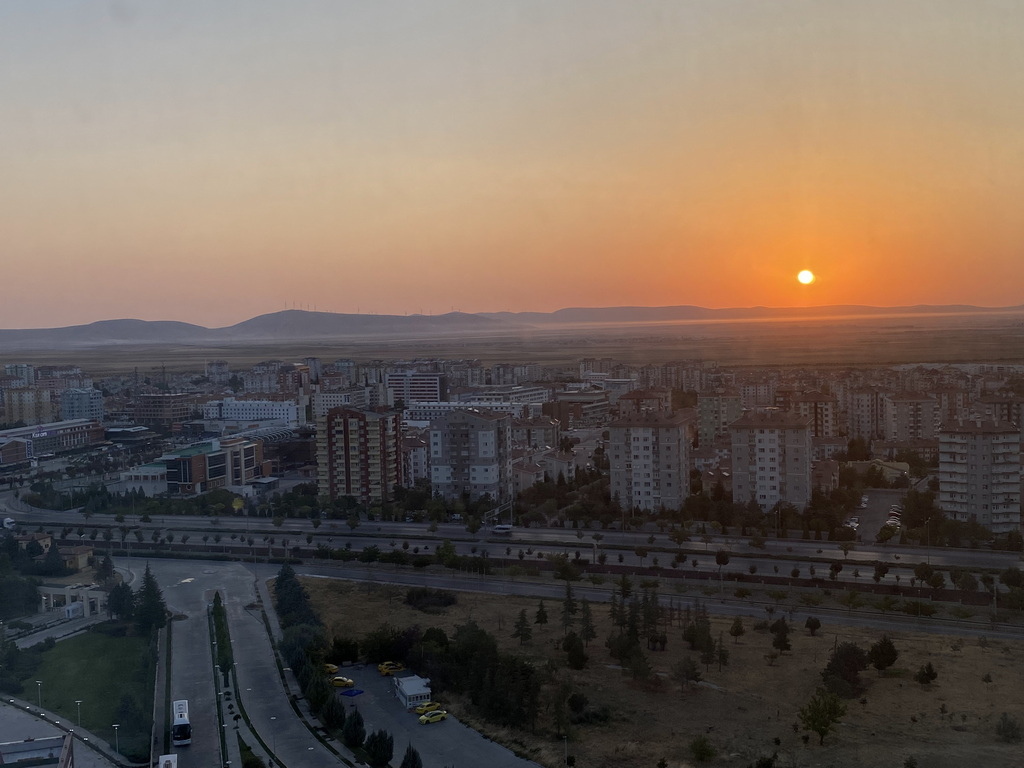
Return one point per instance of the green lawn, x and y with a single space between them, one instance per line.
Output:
98 671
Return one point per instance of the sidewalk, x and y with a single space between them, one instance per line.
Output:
90 750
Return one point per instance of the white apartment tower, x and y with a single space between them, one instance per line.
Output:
649 460
979 472
771 458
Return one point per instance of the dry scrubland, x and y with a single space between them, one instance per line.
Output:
743 708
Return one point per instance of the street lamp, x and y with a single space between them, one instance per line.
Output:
117 741
274 731
39 688
78 703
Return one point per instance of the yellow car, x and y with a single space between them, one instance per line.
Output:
434 717
427 706
331 669
342 682
389 667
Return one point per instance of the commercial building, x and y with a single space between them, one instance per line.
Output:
359 454
649 460
415 387
163 409
979 472
23 443
234 463
771 458
286 412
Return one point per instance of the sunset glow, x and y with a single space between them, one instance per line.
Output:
208 162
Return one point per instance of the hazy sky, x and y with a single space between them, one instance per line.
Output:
210 161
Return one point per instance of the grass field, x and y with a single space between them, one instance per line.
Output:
98 671
744 707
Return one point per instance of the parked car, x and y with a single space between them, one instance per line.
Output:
427 706
331 669
434 717
389 667
342 682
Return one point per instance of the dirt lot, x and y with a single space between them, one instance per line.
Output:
747 705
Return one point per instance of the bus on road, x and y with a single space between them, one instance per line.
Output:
181 729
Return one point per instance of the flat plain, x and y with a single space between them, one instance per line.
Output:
827 341
744 707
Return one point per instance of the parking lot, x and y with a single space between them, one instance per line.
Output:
448 743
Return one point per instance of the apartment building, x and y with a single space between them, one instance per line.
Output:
649 460
980 473
359 454
716 410
471 455
820 410
230 409
163 409
81 404
415 387
910 416
771 458
28 405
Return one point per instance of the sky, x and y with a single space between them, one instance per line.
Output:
212 161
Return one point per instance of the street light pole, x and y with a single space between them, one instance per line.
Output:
117 740
78 703
39 688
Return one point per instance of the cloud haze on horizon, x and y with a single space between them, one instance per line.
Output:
209 162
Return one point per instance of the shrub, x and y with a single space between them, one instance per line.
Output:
1008 729
430 600
702 749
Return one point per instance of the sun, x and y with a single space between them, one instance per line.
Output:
805 277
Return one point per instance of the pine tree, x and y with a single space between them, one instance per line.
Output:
587 630
150 610
411 759
354 732
721 653
380 748
569 607
523 630
541 616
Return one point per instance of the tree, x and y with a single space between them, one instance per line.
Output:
1008 729
541 616
121 602
822 712
686 672
812 625
379 748
573 646
721 653
926 674
587 630
780 636
354 732
411 759
702 749
883 653
569 607
105 571
842 673
523 631
150 609
736 630
722 560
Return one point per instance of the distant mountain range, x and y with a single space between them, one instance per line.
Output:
300 325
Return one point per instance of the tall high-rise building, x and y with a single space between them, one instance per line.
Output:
716 410
471 455
979 472
359 454
649 460
771 458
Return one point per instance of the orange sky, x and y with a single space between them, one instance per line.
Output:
209 162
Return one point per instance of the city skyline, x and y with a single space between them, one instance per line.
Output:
208 164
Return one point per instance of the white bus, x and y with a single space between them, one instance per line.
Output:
503 529
181 729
